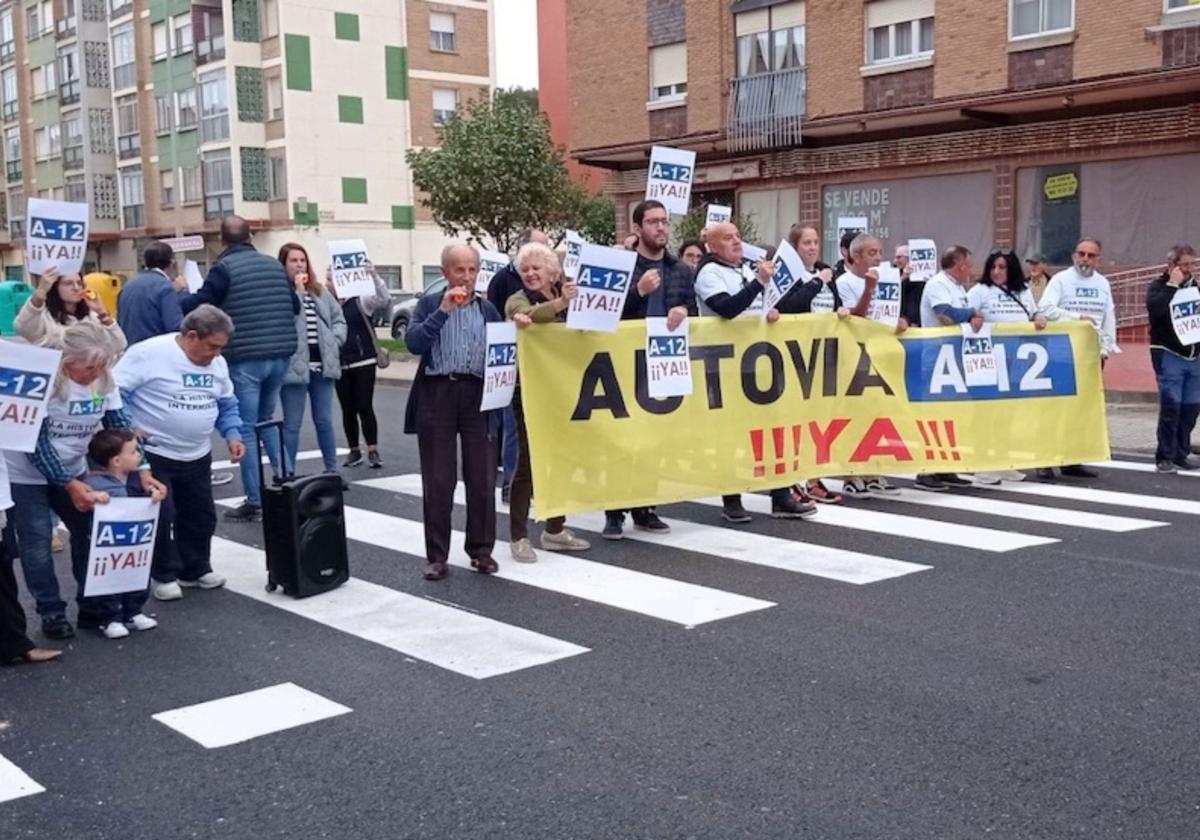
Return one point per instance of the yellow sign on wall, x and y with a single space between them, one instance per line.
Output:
1065 185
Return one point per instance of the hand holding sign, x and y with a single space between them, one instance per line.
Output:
122 546
351 269
1185 315
788 271
668 359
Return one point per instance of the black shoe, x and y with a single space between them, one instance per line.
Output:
612 527
790 507
953 480
245 512
933 483
505 493
355 459
375 459
1080 471
649 521
87 621
57 627
1045 473
736 514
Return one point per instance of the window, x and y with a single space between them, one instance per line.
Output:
189 185
33 21
274 85
899 30
72 141
270 18
124 70
430 274
12 152
8 93
277 177
37 82
129 140
770 39
187 112
7 38
1172 5
210 35
668 72
164 113
218 184
132 197
214 108
119 7
68 76
182 26
166 177
41 147
16 213
1038 17
445 104
441 32
160 37
66 24
75 188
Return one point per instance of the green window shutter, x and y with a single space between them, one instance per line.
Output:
345 26
309 217
254 174
350 109
396 67
354 190
248 82
403 217
298 55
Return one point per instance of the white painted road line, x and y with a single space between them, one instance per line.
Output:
302 455
242 717
1142 466
1063 490
744 546
14 783
1015 510
449 638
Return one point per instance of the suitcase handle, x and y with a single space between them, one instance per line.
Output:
259 428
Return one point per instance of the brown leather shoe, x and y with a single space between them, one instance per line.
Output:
40 655
485 565
435 571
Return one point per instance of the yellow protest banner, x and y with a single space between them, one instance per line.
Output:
806 397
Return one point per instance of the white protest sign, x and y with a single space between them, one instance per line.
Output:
668 359
922 259
845 224
604 277
489 263
26 379
789 270
500 365
1185 315
978 356
885 305
752 255
348 260
670 178
57 237
191 273
571 260
122 546
716 214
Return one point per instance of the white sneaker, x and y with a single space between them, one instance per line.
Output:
115 630
564 540
141 621
209 580
167 591
522 551
1012 475
987 478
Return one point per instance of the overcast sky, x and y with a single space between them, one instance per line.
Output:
516 43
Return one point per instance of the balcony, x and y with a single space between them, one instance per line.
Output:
10 110
12 169
66 27
8 51
766 110
72 158
68 92
129 146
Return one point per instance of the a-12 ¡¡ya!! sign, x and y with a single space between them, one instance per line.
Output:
350 268
500 366
57 235
604 278
670 178
26 376
122 546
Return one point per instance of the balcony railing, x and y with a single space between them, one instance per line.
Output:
68 92
12 169
10 110
133 216
766 110
8 51
72 157
129 146
66 27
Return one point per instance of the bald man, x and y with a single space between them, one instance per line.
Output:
449 333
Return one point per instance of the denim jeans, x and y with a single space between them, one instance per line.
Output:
183 544
256 384
1178 403
508 450
319 392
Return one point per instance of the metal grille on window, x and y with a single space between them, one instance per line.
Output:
93 10
245 20
95 64
249 84
100 130
254 174
104 196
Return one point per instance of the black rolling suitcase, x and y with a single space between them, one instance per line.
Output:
304 528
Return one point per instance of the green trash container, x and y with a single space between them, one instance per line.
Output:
13 294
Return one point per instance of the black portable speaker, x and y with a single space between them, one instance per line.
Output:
304 530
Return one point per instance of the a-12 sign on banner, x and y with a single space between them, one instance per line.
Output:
670 179
500 365
604 278
668 360
979 356
1185 315
26 376
885 306
122 546
57 235
350 269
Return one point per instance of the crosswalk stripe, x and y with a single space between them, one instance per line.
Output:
252 714
14 783
1142 466
1016 510
911 527
1161 504
744 546
449 638
302 455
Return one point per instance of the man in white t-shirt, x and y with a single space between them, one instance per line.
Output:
1080 293
177 389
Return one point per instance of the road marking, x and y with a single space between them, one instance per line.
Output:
1062 490
1014 510
14 783
449 638
303 455
1142 466
242 717
744 546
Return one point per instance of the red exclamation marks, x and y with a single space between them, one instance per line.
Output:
931 433
952 440
796 447
777 440
925 437
756 444
937 440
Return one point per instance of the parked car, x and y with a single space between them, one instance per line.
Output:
383 317
402 312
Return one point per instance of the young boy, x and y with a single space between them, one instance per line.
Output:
114 457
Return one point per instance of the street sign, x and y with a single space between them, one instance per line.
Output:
181 244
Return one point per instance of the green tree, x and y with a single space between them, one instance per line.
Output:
528 96
495 173
593 216
689 226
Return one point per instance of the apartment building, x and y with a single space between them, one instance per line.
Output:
167 115
1020 123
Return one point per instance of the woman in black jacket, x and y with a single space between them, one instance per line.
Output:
360 358
1176 365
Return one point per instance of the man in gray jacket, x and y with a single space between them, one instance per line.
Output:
253 289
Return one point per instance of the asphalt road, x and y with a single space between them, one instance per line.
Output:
1038 679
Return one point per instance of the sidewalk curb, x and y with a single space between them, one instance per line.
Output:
1131 397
